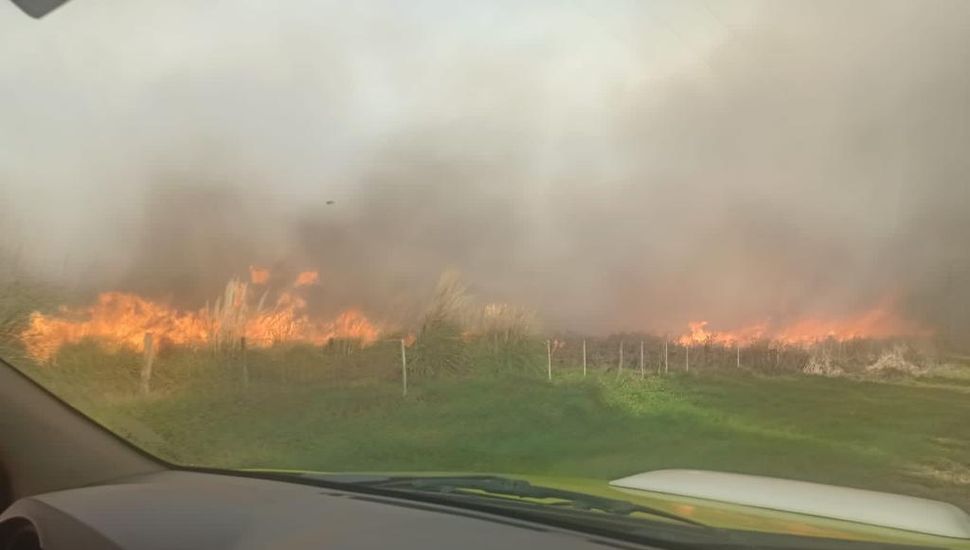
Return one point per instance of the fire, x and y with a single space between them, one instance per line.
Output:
878 322
117 320
351 324
258 275
121 320
307 278
699 334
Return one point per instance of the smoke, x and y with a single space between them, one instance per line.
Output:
808 162
817 169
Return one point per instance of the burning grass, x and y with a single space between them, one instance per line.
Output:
326 395
478 400
879 322
120 320
456 329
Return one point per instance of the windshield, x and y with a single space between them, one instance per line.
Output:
567 242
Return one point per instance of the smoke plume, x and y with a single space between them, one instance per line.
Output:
811 161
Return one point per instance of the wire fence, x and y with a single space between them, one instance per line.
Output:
408 361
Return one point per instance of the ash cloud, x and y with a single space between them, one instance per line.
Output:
812 162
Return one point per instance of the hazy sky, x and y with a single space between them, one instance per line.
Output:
99 95
616 165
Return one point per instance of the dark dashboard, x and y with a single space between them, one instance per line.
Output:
189 510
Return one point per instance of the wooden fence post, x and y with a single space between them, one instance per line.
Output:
146 366
619 368
549 358
643 373
666 357
584 358
739 354
687 358
660 361
404 370
243 359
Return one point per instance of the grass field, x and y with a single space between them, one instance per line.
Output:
910 436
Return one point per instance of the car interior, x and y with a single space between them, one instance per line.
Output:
704 441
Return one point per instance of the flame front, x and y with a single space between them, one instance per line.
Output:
117 320
700 334
258 275
878 322
307 278
121 320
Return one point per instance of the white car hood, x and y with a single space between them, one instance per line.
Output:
857 505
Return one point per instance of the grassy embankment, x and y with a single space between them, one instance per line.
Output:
308 408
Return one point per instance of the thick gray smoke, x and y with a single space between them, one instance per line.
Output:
811 161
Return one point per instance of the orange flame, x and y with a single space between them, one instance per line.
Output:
116 319
120 320
258 275
307 278
699 334
878 322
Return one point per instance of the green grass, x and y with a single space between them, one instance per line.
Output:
308 409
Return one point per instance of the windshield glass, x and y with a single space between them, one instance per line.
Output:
565 241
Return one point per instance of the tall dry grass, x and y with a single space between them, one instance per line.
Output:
19 297
457 333
439 345
228 317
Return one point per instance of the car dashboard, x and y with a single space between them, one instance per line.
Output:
187 510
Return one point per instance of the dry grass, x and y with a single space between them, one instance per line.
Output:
505 323
451 303
439 345
454 325
944 472
18 299
230 314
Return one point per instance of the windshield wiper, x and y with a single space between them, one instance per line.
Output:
518 499
497 487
